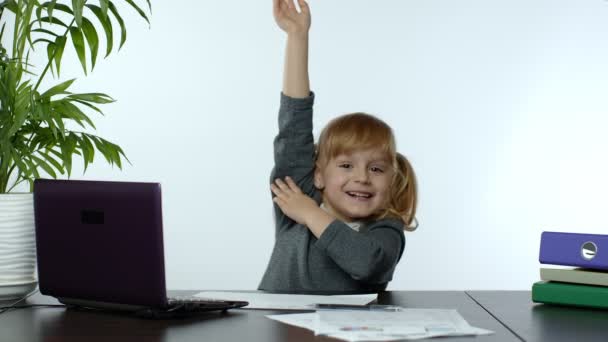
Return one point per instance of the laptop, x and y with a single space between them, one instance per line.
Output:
100 245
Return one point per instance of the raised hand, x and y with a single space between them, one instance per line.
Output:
293 202
300 207
289 19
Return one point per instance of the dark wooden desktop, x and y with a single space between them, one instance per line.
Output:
538 322
511 314
59 324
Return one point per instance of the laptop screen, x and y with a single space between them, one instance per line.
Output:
100 241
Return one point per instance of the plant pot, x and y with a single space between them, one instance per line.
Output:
17 245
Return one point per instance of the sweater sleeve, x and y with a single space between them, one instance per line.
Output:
369 256
294 150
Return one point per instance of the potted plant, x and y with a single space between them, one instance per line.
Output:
35 137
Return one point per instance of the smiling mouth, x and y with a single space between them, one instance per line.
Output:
359 195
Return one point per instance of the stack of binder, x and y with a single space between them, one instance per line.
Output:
585 282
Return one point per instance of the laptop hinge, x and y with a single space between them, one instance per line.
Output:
93 304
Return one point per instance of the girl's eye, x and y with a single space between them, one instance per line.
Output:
345 166
377 169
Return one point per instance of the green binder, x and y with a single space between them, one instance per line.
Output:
570 294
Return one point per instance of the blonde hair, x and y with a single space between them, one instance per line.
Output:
361 131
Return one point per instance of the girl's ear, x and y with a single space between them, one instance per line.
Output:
319 184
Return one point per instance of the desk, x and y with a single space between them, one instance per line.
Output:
539 322
58 324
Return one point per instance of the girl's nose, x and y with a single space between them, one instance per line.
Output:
361 176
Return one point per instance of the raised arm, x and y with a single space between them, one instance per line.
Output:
296 24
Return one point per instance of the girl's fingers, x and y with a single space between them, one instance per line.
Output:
274 189
292 185
281 9
291 8
279 202
277 191
279 182
304 6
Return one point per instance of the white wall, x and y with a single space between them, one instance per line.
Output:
500 105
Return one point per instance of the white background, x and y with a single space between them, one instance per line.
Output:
501 106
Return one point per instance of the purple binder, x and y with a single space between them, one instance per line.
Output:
571 249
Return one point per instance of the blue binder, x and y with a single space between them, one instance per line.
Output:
572 249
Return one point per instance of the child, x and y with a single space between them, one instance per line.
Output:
339 211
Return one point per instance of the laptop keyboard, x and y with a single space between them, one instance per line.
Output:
194 301
189 306
188 303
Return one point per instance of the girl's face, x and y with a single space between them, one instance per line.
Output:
355 185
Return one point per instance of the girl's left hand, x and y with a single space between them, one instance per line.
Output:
292 201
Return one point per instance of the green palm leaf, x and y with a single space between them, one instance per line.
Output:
50 7
84 103
71 111
104 7
92 97
44 40
55 153
78 5
60 46
106 24
57 122
68 147
41 30
50 52
101 147
123 29
56 164
88 151
45 166
20 164
78 41
49 20
91 35
139 10
58 89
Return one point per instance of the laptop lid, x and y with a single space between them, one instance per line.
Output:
100 241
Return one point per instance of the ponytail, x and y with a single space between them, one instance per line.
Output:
403 194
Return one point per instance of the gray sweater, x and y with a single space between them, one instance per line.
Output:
342 259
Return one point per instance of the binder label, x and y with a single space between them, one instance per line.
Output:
588 250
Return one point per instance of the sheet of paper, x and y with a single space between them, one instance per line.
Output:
407 324
307 321
301 320
330 322
287 301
